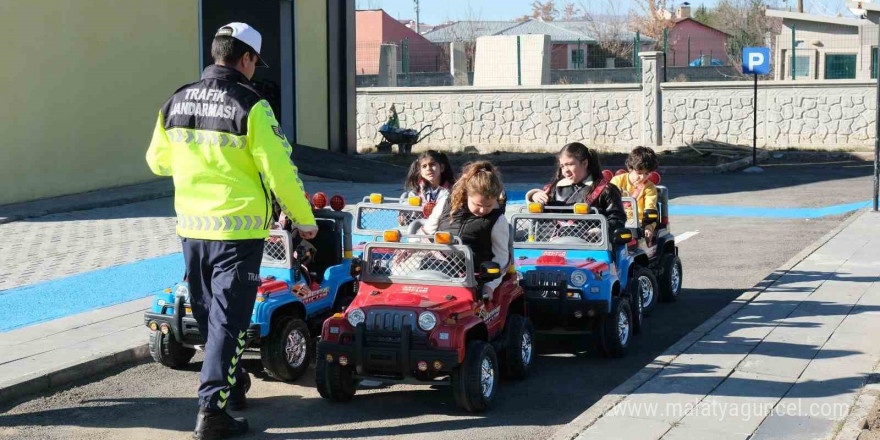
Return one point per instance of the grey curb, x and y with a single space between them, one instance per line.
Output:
603 405
65 375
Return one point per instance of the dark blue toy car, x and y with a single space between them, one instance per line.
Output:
300 288
578 277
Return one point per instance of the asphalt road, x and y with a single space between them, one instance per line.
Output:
725 257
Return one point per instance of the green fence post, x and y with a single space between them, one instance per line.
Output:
636 61
518 63
793 57
406 60
687 62
665 51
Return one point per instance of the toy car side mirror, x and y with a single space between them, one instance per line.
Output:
489 271
651 216
355 267
622 236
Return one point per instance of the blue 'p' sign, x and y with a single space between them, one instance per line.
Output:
756 60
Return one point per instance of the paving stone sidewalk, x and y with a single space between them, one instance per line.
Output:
789 364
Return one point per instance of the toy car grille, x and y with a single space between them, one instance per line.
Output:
275 250
552 230
544 284
380 219
435 265
390 320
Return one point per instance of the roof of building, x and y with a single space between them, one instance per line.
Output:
816 18
679 20
467 30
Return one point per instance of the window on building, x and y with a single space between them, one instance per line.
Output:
840 66
577 59
800 68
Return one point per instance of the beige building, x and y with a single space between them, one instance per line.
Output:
826 47
84 81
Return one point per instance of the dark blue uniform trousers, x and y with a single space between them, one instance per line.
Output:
223 279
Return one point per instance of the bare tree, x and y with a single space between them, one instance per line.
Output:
571 12
610 30
545 10
747 24
652 17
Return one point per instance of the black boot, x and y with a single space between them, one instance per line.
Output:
212 424
238 395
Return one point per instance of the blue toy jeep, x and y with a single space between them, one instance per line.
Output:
300 288
575 279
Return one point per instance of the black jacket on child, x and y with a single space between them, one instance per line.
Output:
608 203
476 232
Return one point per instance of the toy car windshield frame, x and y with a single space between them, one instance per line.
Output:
634 222
523 223
277 251
419 258
362 209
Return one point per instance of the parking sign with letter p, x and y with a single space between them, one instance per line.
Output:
756 60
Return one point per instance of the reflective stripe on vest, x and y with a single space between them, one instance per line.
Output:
212 223
200 137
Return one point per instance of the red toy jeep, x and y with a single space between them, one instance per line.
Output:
418 317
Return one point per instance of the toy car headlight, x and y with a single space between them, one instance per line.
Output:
578 278
182 290
427 321
356 317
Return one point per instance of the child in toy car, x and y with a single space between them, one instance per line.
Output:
635 182
579 179
478 217
430 178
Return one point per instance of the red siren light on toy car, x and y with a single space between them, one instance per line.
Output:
607 175
620 171
319 200
337 202
654 177
428 209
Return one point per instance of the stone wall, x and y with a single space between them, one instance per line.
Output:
803 114
826 114
541 118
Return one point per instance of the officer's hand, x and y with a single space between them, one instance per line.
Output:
308 234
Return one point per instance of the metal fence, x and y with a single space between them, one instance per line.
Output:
817 53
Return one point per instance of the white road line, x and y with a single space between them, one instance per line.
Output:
682 237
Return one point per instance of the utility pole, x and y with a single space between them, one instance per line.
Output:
416 2
800 5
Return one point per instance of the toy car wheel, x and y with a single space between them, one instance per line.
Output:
475 381
670 279
646 283
288 351
633 292
334 382
616 328
168 352
517 356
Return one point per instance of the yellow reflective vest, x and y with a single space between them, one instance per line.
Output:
224 148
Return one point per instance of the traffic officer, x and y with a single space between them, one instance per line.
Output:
224 148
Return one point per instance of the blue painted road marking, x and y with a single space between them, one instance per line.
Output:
87 291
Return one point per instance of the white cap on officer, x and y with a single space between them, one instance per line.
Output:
247 35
